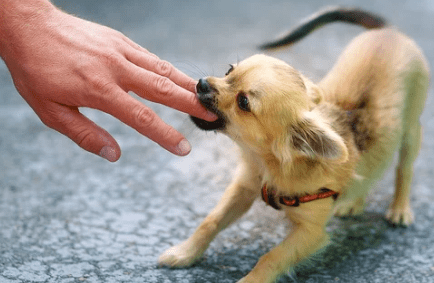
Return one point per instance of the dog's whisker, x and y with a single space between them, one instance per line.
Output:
193 68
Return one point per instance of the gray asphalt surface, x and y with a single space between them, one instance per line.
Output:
69 216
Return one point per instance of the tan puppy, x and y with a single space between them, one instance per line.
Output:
304 145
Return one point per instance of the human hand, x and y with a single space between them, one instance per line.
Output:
60 63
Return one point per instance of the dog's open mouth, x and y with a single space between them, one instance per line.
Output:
206 95
218 124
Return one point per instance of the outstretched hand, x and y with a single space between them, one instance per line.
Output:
59 63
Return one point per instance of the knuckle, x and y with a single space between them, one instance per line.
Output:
164 68
144 117
84 138
101 89
103 86
164 86
112 58
119 34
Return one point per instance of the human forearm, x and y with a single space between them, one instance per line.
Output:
18 17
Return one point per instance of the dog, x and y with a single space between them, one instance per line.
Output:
314 150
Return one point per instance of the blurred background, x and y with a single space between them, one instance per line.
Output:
69 216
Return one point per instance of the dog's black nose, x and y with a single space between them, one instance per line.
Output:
203 86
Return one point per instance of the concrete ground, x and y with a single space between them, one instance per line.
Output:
69 216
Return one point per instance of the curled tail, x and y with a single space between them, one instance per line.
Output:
330 15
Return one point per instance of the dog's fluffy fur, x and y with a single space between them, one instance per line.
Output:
298 137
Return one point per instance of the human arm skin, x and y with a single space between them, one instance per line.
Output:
59 63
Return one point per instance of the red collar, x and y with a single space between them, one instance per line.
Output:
270 196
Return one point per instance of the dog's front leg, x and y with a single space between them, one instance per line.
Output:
236 200
308 235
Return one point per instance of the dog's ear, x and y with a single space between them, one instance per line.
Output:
312 138
315 139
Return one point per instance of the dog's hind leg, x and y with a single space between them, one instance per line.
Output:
400 212
236 200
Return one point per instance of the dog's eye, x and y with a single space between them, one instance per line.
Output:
243 102
231 68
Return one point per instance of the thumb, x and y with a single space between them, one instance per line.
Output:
85 133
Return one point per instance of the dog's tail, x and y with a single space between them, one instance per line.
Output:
329 15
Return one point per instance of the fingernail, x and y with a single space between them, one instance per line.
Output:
183 147
108 153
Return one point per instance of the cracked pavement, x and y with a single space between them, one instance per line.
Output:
69 216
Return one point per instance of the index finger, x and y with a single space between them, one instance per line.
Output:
152 63
156 87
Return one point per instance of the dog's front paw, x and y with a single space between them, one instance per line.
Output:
349 208
400 216
182 255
